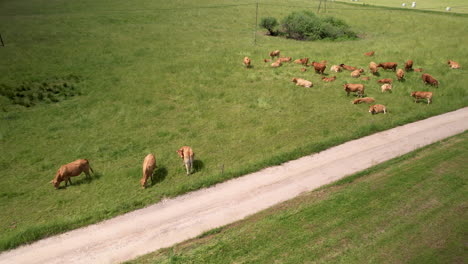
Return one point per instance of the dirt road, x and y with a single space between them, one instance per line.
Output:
175 220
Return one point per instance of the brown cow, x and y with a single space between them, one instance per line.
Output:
378 108
275 53
367 100
422 95
453 64
303 61
428 79
247 62
370 53
373 67
400 74
419 70
408 65
357 73
266 60
386 80
186 153
302 82
71 169
386 87
388 65
335 68
303 69
149 164
285 59
319 67
347 67
365 78
354 88
331 79
276 64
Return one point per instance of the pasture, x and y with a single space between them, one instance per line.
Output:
408 210
458 6
152 76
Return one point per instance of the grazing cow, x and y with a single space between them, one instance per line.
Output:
386 80
186 153
348 68
71 169
357 73
365 78
331 79
354 88
247 62
422 95
276 64
367 100
335 68
285 59
370 53
302 82
378 108
386 87
303 61
303 69
428 79
408 65
400 74
373 67
453 64
319 67
149 164
388 65
266 60
275 53
419 70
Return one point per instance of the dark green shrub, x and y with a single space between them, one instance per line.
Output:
270 24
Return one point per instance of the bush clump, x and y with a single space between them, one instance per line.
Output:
305 25
270 24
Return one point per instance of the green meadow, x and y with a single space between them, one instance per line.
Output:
112 81
411 209
457 6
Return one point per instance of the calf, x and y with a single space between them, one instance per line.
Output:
319 67
186 153
285 59
373 67
71 169
386 87
365 78
303 69
275 53
367 100
386 80
276 64
400 74
149 164
357 73
419 70
347 67
370 53
303 61
247 62
331 79
408 65
266 60
354 88
335 68
422 95
453 64
388 65
428 79
378 108
302 82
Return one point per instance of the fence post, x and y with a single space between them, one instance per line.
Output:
256 24
1 40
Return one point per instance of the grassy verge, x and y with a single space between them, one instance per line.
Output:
408 210
156 75
458 6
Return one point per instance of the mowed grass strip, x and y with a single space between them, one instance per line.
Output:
409 210
157 75
458 6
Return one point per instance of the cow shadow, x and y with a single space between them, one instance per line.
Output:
198 165
377 74
86 180
159 175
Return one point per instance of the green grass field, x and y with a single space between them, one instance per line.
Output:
152 76
457 6
409 210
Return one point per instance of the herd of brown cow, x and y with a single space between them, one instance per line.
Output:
77 167
356 72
